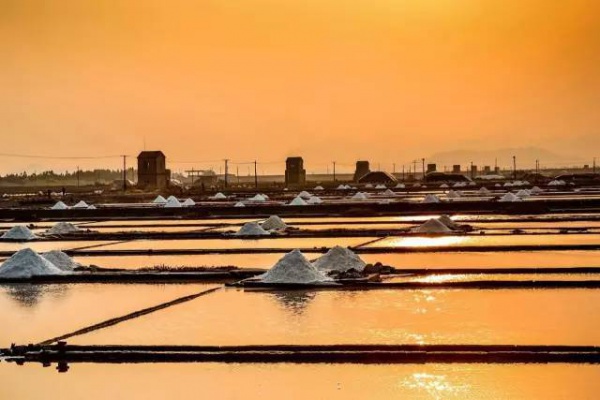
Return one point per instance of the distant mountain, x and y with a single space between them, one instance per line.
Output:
526 157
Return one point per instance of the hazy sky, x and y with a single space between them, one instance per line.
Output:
385 80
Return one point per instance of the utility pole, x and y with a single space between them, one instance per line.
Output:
334 179
402 173
414 170
78 177
514 167
394 168
226 170
423 166
594 165
255 176
537 166
237 173
124 173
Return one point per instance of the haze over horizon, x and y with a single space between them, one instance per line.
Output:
383 80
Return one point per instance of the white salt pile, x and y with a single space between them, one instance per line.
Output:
368 186
341 187
444 186
91 207
431 226
218 196
453 195
472 184
431 198
59 206
315 200
339 259
319 188
274 223
81 205
498 185
172 202
523 193
63 228
27 263
61 260
536 190
294 268
19 232
360 196
188 203
159 200
483 190
239 204
389 192
251 229
417 185
258 197
298 201
400 186
508 184
557 183
381 186
304 195
446 220
509 198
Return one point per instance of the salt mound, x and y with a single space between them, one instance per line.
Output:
258 197
523 193
159 200
417 185
446 220
81 205
61 260
27 263
172 202
251 229
498 185
431 198
298 201
444 186
483 190
304 195
239 204
274 223
431 226
92 207
380 186
400 186
389 192
508 184
453 195
359 196
368 186
472 184
218 196
188 203
341 187
63 228
294 268
536 190
339 259
19 232
315 200
509 198
319 188
59 206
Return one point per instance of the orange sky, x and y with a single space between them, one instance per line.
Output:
385 80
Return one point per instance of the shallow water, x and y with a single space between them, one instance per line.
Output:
41 246
496 240
566 316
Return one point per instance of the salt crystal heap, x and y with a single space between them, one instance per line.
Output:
172 202
380 186
400 186
360 196
258 197
218 196
61 260
453 194
319 188
298 201
27 263
444 186
274 223
509 198
304 195
188 203
339 259
63 228
389 192
315 200
432 226
523 193
294 268
446 220
251 229
159 200
81 205
239 204
59 206
431 198
536 190
483 190
19 232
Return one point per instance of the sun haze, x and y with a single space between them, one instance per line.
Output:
386 80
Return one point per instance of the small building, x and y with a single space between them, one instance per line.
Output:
152 170
431 168
377 177
456 169
295 174
362 169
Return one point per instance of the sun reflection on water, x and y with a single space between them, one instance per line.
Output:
421 241
436 386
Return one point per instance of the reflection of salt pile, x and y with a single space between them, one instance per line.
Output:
63 228
81 205
431 198
61 260
274 223
509 198
315 200
304 195
172 202
251 229
27 263
339 259
446 220
188 203
360 196
294 268
19 232
218 196
239 204
59 206
431 226
298 201
159 200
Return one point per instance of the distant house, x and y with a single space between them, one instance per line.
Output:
152 170
378 177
